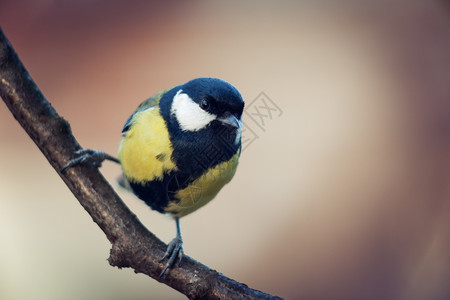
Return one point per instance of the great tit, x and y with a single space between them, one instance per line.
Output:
179 148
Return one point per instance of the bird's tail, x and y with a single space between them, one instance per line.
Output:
123 183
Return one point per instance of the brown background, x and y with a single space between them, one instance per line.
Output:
346 195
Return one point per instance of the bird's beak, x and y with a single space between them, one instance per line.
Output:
230 120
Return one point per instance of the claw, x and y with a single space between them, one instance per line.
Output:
174 254
89 157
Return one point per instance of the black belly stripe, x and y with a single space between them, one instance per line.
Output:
152 193
194 153
159 193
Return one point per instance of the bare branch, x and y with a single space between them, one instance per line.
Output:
133 246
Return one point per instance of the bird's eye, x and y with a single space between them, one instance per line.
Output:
204 104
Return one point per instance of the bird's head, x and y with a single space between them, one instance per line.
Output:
205 102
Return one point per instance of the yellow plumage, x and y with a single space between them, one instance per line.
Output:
179 148
145 154
145 151
204 189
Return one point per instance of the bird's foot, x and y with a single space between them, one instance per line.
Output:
174 254
89 157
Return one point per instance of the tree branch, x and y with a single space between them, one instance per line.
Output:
133 246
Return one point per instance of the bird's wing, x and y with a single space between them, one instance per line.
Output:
149 103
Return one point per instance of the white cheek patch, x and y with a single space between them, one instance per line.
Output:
188 114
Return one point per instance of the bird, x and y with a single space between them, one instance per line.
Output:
178 149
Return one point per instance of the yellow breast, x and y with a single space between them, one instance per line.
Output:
145 151
204 189
145 155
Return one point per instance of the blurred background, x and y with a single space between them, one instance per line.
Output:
342 193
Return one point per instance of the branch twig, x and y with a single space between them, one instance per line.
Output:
133 246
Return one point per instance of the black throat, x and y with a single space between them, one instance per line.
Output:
194 152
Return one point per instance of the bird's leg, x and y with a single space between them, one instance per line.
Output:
174 252
89 157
